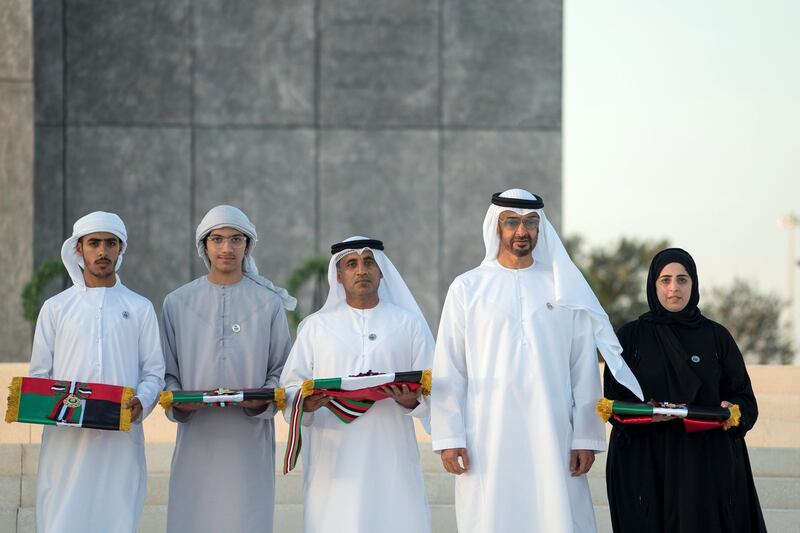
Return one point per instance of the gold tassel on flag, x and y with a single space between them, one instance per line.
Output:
307 389
736 415
165 400
14 392
426 382
125 414
603 408
280 398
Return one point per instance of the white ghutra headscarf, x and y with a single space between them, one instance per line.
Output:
571 289
392 288
96 222
227 216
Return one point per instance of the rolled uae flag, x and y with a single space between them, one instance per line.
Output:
222 397
351 398
694 418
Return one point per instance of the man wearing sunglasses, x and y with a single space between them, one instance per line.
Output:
515 379
227 329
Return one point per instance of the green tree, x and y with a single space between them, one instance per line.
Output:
617 274
312 270
753 318
32 292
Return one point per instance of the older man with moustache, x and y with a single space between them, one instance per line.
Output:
362 477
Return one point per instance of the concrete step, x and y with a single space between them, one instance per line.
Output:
770 462
775 462
18 479
289 518
18 459
777 520
773 492
777 472
20 491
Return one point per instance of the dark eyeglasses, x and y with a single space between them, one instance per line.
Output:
514 222
237 241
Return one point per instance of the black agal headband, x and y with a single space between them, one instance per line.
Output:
519 203
356 245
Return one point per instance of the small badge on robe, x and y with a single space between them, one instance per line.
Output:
695 359
549 306
236 328
372 336
125 314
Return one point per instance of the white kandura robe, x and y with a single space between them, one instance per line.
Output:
515 381
92 480
362 477
223 467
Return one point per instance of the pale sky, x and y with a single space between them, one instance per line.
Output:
682 120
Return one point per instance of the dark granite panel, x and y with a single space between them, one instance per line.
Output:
128 61
379 63
270 176
48 199
254 62
16 54
502 63
478 164
16 215
384 185
48 51
251 63
142 174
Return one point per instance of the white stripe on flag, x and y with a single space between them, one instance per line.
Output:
83 410
364 382
346 410
681 412
237 397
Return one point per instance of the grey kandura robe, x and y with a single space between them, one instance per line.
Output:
223 468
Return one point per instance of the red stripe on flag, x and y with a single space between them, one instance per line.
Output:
634 419
347 417
353 406
693 426
294 441
371 393
42 386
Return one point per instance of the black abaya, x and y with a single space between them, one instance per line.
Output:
661 478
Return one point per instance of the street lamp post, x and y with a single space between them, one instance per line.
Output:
790 223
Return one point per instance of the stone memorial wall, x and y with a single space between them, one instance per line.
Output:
320 119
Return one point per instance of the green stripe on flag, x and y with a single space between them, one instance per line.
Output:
357 402
628 408
340 417
186 397
328 383
34 408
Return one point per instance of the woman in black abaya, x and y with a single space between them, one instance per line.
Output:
659 477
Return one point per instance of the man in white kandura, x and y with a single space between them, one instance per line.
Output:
227 329
362 477
516 380
96 331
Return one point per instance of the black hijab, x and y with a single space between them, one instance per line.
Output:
683 383
688 316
